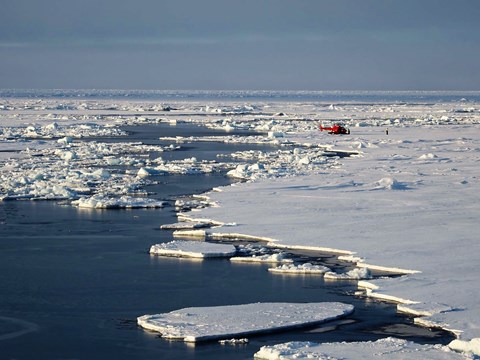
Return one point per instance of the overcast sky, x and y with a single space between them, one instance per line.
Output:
242 44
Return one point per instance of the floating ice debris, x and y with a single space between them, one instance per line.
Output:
260 254
388 348
185 226
183 204
355 274
273 258
145 172
193 249
234 341
188 167
246 171
223 322
281 163
55 130
77 167
105 202
306 268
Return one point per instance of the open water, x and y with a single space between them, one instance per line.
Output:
73 281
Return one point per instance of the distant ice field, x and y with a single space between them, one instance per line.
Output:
249 95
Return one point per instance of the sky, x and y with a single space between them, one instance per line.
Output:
240 45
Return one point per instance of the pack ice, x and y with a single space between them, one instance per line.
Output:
406 202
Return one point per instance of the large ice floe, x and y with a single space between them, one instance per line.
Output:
390 209
224 322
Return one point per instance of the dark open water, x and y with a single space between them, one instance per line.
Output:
73 281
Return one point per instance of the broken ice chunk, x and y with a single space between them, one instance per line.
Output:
194 249
306 268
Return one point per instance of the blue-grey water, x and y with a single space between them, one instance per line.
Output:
73 281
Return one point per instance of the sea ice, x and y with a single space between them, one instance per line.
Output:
184 226
105 202
224 322
302 195
404 232
306 268
242 341
266 258
354 274
193 249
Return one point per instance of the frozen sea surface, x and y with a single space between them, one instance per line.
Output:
78 278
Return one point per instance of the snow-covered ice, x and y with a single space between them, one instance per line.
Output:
388 348
406 202
193 249
387 207
224 322
398 205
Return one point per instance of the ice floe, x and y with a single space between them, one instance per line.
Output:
388 348
193 249
224 322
